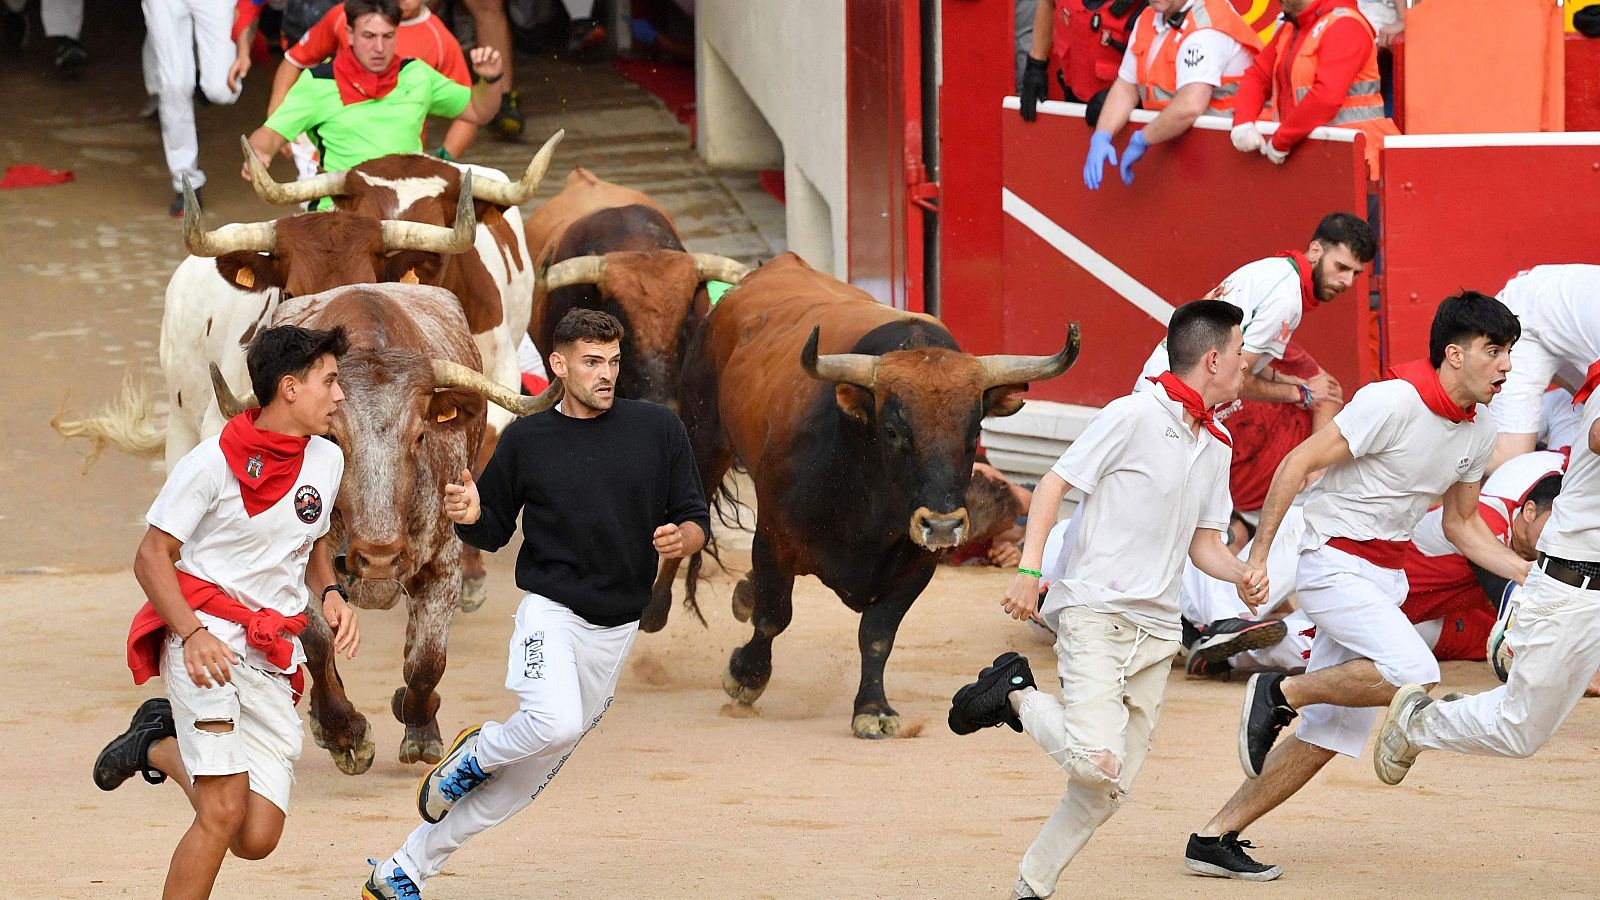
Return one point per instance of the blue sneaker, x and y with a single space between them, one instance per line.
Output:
453 778
396 885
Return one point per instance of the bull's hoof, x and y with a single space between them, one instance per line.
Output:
316 732
474 590
743 693
875 726
355 760
744 600
654 617
422 745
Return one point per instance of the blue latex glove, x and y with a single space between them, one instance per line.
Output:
1133 153
1101 154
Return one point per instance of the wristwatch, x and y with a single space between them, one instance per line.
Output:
336 586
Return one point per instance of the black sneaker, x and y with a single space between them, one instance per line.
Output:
984 703
586 38
70 56
1262 720
1191 635
508 121
175 208
1224 857
1225 637
129 752
1199 667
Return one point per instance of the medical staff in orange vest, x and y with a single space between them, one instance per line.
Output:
1185 59
1320 69
1081 43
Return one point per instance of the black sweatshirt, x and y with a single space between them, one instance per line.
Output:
591 493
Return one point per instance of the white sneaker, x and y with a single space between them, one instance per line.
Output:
393 884
1394 753
453 778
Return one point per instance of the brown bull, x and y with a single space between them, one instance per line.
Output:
412 417
860 441
602 246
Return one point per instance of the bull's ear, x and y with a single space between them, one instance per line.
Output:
247 270
1003 400
410 267
854 401
455 408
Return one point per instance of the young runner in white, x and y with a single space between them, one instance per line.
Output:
604 489
1275 294
1560 316
1155 469
236 546
1389 455
1556 641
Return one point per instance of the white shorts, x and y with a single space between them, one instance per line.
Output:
1355 606
1520 404
266 736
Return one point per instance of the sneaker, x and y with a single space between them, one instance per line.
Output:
1394 753
70 56
508 121
1199 667
1226 637
175 208
1021 891
585 38
151 108
129 752
1191 635
393 885
1225 857
453 778
985 703
1261 721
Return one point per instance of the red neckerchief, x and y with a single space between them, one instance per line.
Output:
1308 287
356 83
1425 379
266 630
266 463
1589 384
1189 399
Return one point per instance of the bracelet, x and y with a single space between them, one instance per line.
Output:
1305 396
494 80
197 629
1035 573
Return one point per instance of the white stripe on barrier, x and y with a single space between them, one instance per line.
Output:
1084 255
1527 139
1209 123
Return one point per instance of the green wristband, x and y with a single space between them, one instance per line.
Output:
1036 574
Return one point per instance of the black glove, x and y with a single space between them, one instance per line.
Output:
1035 87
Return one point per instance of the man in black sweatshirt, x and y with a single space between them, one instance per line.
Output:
604 488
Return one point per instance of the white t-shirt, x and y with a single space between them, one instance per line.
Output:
1573 531
1150 483
1205 56
1379 12
1559 307
1558 422
1268 291
1406 456
258 560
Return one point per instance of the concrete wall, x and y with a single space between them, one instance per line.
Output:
771 84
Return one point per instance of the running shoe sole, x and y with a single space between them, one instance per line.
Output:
1257 636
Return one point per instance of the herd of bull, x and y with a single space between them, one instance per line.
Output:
856 423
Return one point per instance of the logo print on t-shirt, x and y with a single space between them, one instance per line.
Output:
1462 464
307 503
253 466
1192 56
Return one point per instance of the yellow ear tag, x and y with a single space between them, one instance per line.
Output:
410 277
446 416
244 278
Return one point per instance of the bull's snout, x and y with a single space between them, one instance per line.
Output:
938 531
373 560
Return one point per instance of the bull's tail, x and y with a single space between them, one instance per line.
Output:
692 578
126 423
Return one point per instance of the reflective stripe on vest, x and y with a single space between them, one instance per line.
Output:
1157 68
1363 101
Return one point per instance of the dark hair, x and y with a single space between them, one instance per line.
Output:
1543 495
1197 328
1349 230
1467 315
355 9
586 325
289 350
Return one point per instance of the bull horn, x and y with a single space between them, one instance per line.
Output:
281 193
504 193
1001 369
261 237
447 374
859 369
577 270
226 402
402 235
711 267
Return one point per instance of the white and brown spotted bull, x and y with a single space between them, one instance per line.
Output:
412 418
602 246
858 424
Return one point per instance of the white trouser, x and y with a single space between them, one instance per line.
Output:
180 32
1356 608
579 9
1556 645
1113 678
564 672
61 18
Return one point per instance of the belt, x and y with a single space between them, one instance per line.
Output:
1564 571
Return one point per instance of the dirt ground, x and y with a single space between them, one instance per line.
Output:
672 796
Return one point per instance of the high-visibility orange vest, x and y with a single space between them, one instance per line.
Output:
1362 109
1158 71
1088 40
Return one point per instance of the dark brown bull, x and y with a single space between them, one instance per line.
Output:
412 418
603 246
860 441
